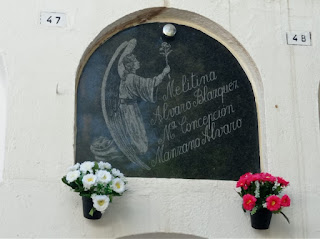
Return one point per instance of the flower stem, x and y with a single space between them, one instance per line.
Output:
285 217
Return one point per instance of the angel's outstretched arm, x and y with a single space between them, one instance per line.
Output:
160 77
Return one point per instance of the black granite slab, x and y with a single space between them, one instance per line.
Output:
198 121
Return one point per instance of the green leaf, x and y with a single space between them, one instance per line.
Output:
244 210
95 167
79 184
240 194
64 180
107 190
92 211
254 210
73 185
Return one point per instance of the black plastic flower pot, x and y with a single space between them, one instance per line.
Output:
261 219
87 206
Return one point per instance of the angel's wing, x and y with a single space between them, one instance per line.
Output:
109 103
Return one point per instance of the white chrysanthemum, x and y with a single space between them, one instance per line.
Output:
104 165
123 178
101 165
107 165
88 181
74 167
118 185
72 176
116 172
276 184
257 190
86 166
264 205
104 176
100 202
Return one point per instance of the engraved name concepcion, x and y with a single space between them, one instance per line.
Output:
207 124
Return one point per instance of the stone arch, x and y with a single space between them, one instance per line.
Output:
319 103
206 26
159 235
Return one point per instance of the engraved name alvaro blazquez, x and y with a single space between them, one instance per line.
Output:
207 124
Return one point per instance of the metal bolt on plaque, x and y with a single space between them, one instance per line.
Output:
169 30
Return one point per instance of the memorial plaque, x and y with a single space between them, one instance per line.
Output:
167 107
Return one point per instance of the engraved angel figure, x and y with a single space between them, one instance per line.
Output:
125 121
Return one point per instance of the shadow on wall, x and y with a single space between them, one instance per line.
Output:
161 235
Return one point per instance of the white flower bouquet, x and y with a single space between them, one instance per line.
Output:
98 181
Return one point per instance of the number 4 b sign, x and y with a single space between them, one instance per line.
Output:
299 38
54 19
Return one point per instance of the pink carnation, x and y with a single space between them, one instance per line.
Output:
273 203
267 177
256 177
242 183
245 181
249 201
282 182
285 201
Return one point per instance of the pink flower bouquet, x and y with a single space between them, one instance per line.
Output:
262 190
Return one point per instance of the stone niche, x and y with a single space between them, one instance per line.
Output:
167 107
160 235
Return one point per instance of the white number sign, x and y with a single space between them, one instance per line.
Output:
299 38
54 19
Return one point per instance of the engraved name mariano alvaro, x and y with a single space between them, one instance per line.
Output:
175 117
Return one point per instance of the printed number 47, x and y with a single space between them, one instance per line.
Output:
50 19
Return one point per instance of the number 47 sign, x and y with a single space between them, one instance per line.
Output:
54 19
299 38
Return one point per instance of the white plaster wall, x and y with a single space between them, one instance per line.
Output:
40 123
3 110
